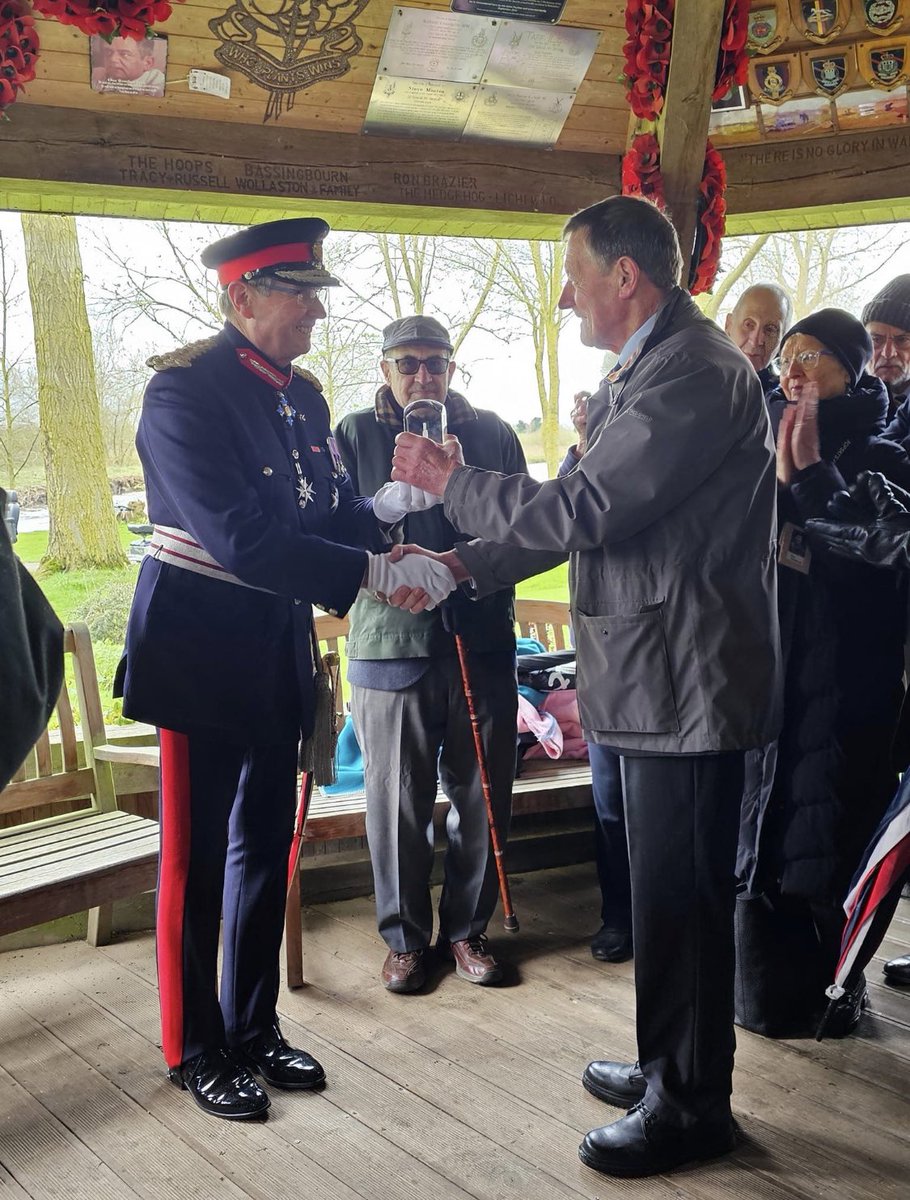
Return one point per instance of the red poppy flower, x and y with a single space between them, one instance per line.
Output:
18 50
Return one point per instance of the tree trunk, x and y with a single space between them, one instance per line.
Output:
83 528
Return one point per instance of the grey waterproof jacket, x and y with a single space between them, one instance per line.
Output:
670 521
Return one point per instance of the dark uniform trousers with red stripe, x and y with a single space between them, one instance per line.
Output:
227 815
239 461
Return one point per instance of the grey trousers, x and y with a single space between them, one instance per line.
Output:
405 736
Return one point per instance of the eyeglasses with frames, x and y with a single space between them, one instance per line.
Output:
808 360
409 364
303 293
900 341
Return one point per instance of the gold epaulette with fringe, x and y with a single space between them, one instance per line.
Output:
183 356
309 377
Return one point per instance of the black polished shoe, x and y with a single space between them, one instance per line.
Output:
897 970
611 945
221 1086
640 1144
616 1083
279 1064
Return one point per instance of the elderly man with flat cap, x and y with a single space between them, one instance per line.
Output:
255 521
407 697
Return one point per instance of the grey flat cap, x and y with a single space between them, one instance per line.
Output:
407 330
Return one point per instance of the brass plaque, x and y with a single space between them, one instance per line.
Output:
426 44
554 60
518 115
419 107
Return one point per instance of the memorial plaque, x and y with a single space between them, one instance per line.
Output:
556 60
419 107
518 10
425 44
518 115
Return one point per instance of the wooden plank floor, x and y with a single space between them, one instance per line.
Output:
459 1092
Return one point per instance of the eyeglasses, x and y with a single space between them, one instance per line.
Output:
303 293
900 341
436 364
808 360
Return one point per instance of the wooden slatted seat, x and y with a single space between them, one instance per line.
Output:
71 848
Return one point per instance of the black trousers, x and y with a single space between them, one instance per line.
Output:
682 814
227 815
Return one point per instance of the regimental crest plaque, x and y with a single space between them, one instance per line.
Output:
883 67
882 16
288 45
820 20
768 24
771 80
827 74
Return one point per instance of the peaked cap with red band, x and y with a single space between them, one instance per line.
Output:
285 249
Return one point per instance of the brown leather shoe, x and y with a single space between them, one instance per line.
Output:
404 972
473 961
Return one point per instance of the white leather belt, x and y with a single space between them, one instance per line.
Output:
177 548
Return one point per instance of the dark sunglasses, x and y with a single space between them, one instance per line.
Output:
436 364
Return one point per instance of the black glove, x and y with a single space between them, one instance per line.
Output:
872 523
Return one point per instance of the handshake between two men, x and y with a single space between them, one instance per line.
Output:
411 577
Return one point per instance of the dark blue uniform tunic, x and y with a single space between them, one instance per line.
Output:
238 458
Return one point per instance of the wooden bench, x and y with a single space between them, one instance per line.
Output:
72 848
542 785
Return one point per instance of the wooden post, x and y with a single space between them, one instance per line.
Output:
683 129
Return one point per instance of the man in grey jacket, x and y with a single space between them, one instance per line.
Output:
669 519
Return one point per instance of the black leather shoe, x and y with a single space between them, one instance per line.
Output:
640 1144
279 1064
897 970
221 1086
616 1083
611 945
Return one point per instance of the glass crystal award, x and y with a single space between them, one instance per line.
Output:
426 418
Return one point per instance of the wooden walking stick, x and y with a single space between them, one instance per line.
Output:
427 418
510 921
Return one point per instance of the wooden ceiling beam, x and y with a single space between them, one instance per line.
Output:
188 158
683 128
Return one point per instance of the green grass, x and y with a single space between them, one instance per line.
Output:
31 547
67 591
552 585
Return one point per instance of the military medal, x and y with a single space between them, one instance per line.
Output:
305 491
337 465
285 410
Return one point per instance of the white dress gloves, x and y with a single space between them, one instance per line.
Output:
414 571
395 500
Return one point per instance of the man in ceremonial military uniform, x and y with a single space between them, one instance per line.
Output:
255 522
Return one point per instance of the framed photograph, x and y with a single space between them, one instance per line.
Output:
735 99
129 66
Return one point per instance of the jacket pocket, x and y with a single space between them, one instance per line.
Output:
624 679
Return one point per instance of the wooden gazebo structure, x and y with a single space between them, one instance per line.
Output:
189 154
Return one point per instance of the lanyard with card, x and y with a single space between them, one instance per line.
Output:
794 548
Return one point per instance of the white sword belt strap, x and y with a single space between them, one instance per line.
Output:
177 548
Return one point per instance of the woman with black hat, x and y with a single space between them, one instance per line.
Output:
814 796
